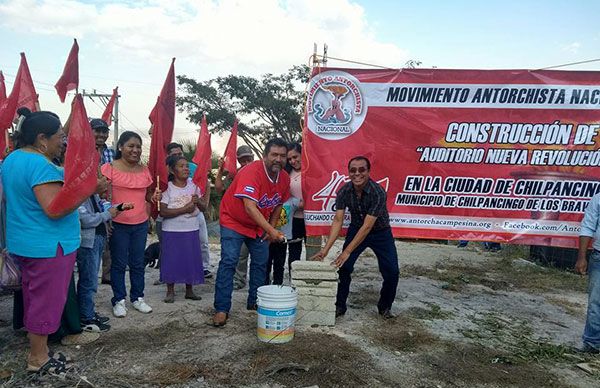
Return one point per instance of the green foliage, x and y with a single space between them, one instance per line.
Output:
268 107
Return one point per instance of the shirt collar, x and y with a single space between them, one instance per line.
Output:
267 174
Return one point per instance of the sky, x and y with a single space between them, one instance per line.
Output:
130 43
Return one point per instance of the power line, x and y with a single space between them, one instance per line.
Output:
570 64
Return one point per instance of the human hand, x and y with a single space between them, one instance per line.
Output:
195 199
221 163
581 266
341 259
127 206
274 235
114 212
189 207
157 196
319 256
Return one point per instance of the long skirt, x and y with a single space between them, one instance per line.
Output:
181 258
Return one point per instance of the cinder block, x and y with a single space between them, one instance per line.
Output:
314 275
311 283
316 291
319 303
301 265
309 318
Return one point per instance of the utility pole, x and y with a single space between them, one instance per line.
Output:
104 98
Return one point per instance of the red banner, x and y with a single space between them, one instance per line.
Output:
498 155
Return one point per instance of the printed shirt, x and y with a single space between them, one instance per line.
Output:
589 223
175 198
129 187
254 183
284 224
29 231
372 202
107 155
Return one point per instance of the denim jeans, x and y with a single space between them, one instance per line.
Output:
88 265
203 233
382 244
127 244
231 243
591 333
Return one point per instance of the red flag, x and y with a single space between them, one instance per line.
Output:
162 118
202 157
28 97
81 162
69 79
230 162
107 115
2 88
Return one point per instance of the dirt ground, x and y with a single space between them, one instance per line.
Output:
465 318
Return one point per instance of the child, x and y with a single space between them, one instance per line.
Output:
180 254
277 251
93 218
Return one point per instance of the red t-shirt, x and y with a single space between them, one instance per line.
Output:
252 182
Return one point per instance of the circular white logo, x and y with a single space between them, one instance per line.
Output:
335 106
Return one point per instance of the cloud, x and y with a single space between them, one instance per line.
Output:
572 47
234 35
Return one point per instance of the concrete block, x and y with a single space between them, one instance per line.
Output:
316 303
316 291
314 275
301 265
309 318
312 283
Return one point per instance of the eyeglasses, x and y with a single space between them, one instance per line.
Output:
359 170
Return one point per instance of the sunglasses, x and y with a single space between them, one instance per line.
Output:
359 170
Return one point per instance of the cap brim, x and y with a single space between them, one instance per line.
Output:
242 155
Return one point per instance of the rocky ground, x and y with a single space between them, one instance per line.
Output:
465 318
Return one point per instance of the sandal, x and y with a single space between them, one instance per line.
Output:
193 297
220 319
52 367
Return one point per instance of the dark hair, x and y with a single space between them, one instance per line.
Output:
124 138
360 158
296 147
34 123
172 162
172 146
277 142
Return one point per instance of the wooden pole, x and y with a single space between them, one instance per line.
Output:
157 188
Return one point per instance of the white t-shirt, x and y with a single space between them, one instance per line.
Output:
175 198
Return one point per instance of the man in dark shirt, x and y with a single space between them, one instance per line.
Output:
369 228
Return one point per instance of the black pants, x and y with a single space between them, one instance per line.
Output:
382 244
277 253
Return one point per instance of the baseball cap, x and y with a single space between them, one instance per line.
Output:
244 150
98 124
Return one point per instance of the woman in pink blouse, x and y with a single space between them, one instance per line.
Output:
129 182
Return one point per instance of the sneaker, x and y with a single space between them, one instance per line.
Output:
142 306
100 318
94 326
119 309
587 349
207 274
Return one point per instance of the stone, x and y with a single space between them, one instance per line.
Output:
309 318
317 303
314 275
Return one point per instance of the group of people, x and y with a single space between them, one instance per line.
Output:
260 212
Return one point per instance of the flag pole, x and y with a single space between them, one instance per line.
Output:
158 188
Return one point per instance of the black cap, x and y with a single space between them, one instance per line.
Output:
99 124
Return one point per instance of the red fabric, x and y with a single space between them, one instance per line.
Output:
81 162
202 157
107 115
2 88
162 118
69 79
28 97
230 164
252 182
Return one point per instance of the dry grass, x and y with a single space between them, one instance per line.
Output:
572 308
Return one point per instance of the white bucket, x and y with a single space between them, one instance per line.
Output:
276 313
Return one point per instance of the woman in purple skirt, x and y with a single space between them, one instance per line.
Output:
181 259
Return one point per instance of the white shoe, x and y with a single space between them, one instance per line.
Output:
119 309
142 306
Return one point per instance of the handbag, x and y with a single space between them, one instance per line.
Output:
10 273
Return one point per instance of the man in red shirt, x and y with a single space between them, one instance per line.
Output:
249 211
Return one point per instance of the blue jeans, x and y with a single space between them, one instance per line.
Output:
382 244
127 244
88 265
591 333
231 243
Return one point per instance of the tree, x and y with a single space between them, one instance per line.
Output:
271 106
